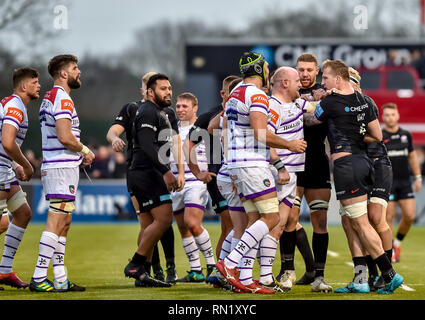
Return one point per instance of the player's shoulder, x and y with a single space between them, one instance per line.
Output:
403 131
9 100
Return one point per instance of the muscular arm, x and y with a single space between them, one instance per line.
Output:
310 119
416 170
374 132
113 137
8 140
66 137
214 124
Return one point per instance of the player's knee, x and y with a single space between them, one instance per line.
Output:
317 205
356 210
297 202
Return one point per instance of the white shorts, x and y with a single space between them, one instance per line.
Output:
252 182
233 201
192 195
60 183
7 178
286 193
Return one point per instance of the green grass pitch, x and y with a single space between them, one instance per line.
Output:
96 255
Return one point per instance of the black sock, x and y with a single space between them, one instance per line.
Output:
320 250
360 270
167 241
304 247
139 260
400 236
147 266
384 264
389 254
371 266
288 240
155 258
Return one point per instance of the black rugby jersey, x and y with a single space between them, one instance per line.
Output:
314 135
375 149
347 117
152 129
125 119
399 145
214 158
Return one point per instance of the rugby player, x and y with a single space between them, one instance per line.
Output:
189 204
150 177
63 153
13 166
247 111
378 199
286 121
351 122
404 160
314 184
197 134
124 123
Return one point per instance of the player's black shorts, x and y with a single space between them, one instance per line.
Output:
401 189
149 188
218 202
353 176
383 178
316 174
128 186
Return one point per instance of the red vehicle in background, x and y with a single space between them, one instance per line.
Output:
400 85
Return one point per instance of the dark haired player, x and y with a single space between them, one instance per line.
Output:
124 123
150 176
13 166
404 160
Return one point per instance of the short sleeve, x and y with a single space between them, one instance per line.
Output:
320 111
273 123
123 117
260 103
63 109
410 142
14 116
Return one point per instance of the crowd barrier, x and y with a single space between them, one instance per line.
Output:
108 201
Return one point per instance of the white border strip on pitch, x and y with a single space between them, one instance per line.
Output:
349 264
407 288
333 253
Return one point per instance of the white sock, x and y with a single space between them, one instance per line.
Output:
397 242
226 246
192 253
58 260
235 241
12 239
203 242
268 247
247 263
47 247
249 239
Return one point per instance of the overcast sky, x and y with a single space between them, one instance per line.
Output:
106 26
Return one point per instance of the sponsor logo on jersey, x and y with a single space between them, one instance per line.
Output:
274 116
356 109
260 98
403 139
15 114
318 111
67 105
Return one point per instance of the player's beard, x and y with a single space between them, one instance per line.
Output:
161 102
310 83
34 96
295 95
74 83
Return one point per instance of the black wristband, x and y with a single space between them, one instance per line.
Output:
278 164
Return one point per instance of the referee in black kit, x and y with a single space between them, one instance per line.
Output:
150 177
